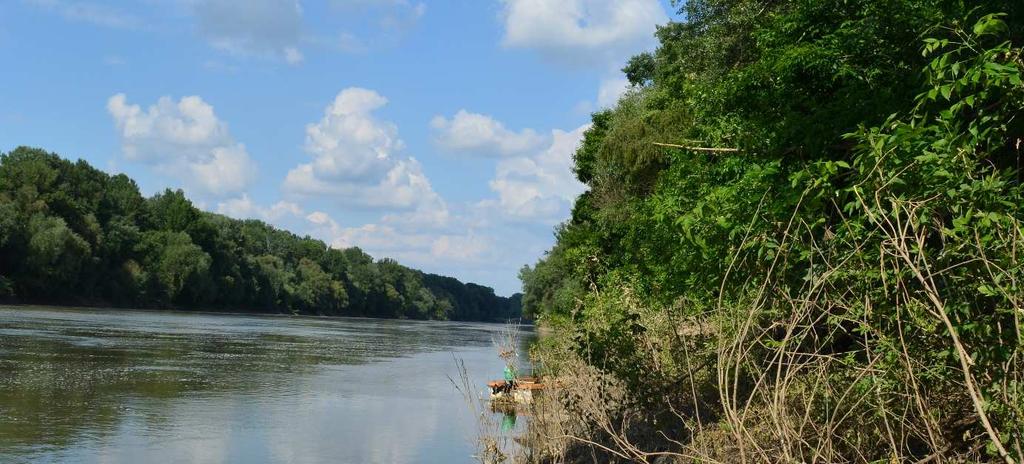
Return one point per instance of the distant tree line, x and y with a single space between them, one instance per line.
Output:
70 233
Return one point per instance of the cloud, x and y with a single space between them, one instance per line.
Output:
93 13
357 160
391 15
610 90
581 31
462 248
471 251
184 139
371 24
402 16
540 187
533 189
481 135
321 218
244 208
348 43
356 5
292 55
267 28
409 245
349 142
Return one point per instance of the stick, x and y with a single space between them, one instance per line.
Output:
714 150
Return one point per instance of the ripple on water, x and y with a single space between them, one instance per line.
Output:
119 386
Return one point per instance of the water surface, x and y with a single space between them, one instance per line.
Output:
116 386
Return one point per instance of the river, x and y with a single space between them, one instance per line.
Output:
121 386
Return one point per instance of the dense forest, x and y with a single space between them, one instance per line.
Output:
72 234
801 241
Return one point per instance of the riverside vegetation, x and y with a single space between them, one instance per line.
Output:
801 241
72 234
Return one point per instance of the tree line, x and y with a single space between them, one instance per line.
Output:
801 240
70 233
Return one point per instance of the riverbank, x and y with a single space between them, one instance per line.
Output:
796 247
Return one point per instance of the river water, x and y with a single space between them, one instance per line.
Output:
116 386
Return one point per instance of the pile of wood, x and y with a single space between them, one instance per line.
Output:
521 391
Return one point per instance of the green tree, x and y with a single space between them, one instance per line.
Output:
73 233
177 266
315 291
640 69
171 211
9 223
55 255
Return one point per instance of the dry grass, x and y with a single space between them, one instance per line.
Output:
490 443
507 342
493 445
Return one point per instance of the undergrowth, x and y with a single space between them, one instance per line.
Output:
779 288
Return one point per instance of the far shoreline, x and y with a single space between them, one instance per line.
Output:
8 303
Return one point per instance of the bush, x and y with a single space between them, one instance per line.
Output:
831 275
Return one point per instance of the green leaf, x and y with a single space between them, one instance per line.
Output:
946 90
990 25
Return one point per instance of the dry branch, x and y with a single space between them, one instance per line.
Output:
705 149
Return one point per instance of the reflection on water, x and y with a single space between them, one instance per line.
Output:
132 386
508 422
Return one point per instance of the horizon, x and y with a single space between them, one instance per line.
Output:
433 134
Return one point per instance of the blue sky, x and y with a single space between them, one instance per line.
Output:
436 133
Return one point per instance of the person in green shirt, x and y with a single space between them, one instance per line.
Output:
510 378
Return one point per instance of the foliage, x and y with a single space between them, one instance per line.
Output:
55 254
826 258
70 233
178 266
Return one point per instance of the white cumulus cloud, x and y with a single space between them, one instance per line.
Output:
611 90
460 247
244 207
411 246
481 135
184 139
357 160
539 187
576 31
